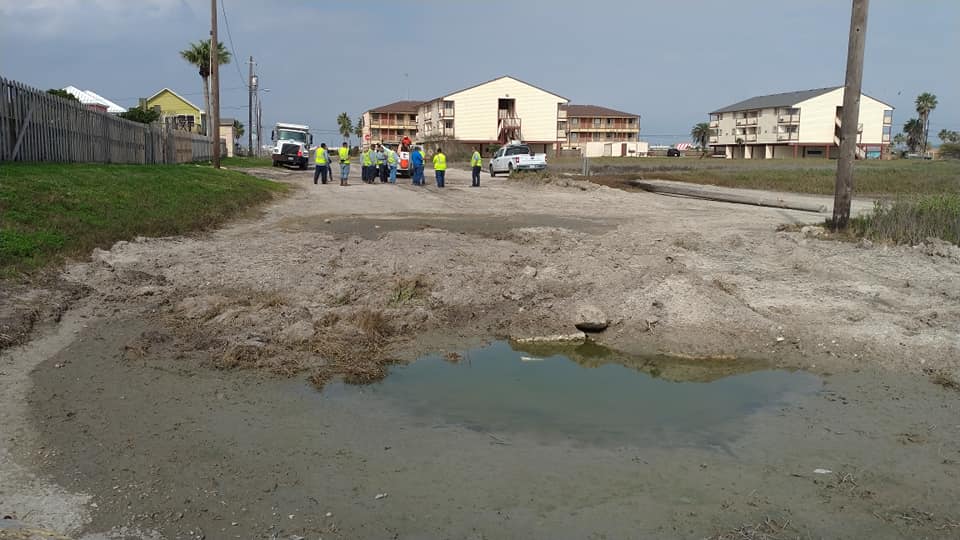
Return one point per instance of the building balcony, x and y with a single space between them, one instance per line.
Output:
788 119
561 134
786 137
885 138
714 123
592 129
714 139
446 113
750 137
376 124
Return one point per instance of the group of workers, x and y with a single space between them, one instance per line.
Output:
380 162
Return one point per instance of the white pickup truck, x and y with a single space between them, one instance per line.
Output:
516 156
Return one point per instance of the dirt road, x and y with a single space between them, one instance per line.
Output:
137 416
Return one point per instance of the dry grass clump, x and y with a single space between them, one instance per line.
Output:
358 356
768 529
407 289
912 220
945 380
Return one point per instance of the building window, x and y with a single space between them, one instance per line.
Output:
448 124
887 116
574 137
596 122
561 125
609 121
630 121
574 122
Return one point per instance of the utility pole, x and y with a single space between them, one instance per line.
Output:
214 84
252 87
843 192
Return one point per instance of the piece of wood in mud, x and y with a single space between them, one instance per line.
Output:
711 195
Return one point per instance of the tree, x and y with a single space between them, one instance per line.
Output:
913 129
238 130
358 129
926 103
899 140
198 54
62 93
949 136
345 125
144 116
701 135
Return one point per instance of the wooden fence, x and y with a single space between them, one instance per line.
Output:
37 126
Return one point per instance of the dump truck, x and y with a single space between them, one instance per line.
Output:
291 144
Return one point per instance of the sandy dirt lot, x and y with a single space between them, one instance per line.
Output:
146 412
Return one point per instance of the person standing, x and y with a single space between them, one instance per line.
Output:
344 154
416 161
440 166
322 162
381 165
476 162
366 163
392 162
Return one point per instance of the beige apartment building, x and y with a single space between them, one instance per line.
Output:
389 124
591 123
798 124
495 112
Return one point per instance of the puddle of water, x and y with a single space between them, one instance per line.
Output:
586 395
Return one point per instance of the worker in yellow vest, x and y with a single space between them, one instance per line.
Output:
344 154
476 162
366 161
322 163
439 166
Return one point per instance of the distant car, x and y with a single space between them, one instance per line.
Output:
516 157
673 152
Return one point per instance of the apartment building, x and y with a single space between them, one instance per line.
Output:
591 123
798 124
495 111
389 124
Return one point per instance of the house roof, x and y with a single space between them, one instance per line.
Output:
398 107
785 99
181 98
227 121
593 110
497 79
87 97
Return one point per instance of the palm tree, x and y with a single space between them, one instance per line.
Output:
198 54
358 129
949 136
345 125
913 129
238 131
926 103
701 135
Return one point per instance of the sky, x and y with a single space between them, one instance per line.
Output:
669 62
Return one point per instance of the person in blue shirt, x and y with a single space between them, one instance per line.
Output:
416 161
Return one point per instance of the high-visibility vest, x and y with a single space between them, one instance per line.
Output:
439 162
476 160
379 158
366 158
391 157
344 155
321 156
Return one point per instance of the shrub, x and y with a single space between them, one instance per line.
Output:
912 220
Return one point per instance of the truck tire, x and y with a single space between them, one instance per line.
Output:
509 165
492 174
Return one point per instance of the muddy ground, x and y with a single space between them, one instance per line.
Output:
149 412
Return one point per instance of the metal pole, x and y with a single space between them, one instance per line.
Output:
252 89
214 85
843 192
259 126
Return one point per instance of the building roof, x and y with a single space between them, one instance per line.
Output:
181 98
593 110
227 121
87 97
497 79
785 99
398 107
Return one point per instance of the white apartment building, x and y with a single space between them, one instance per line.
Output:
798 124
496 111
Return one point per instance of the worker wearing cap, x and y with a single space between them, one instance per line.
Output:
440 166
322 162
344 154
381 170
416 161
476 162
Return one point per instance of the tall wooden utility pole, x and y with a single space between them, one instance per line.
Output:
214 85
843 192
252 87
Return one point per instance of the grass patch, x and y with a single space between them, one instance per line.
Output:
52 211
243 162
912 220
872 178
407 289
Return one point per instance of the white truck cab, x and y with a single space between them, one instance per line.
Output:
291 144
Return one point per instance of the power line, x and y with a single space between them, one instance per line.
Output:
233 49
